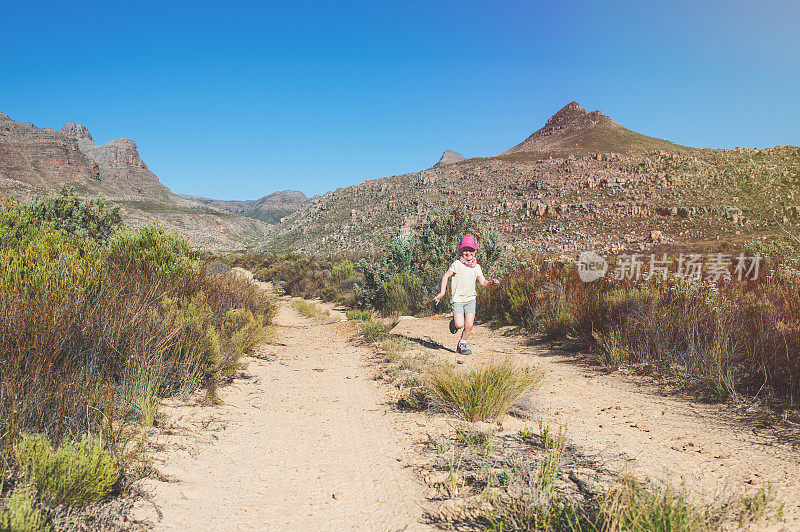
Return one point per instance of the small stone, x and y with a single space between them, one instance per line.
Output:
337 495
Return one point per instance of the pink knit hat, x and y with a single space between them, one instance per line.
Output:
469 241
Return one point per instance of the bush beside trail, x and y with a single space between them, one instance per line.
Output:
329 279
403 277
717 339
97 322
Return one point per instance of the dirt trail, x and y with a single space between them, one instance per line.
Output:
306 422
630 425
302 443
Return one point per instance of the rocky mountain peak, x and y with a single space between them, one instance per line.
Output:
448 157
571 116
574 130
123 152
76 131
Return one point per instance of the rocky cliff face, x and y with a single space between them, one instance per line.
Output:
33 158
34 161
122 153
449 157
123 174
76 131
119 153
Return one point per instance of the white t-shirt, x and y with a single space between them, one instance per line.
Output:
462 284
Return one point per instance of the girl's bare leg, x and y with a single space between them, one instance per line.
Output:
468 321
459 319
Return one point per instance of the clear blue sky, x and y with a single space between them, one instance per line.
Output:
236 100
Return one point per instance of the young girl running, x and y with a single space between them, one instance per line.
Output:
465 271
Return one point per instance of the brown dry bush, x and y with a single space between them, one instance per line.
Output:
82 325
718 338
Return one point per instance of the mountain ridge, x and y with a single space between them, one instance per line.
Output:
35 161
581 181
269 209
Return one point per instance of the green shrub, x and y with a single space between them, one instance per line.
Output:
405 294
154 251
92 219
359 315
245 329
309 309
90 333
405 275
773 249
481 394
20 514
374 331
297 275
329 293
75 474
342 271
556 323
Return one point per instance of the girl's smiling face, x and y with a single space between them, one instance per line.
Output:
468 254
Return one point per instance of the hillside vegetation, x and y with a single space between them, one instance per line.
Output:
616 190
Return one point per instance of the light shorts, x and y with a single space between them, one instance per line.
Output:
464 308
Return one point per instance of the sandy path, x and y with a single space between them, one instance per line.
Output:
630 425
302 444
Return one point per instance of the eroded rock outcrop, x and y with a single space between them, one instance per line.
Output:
449 157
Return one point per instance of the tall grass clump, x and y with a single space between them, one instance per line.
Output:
484 393
98 322
359 315
536 504
20 513
631 506
309 309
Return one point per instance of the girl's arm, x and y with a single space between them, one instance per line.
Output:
484 282
443 288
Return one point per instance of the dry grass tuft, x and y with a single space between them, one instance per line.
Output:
309 309
484 393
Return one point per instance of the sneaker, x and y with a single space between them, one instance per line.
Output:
463 349
453 328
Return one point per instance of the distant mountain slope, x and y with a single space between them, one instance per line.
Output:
34 161
269 209
574 130
581 182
